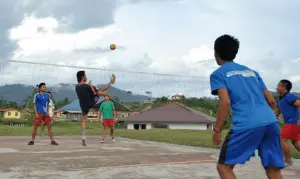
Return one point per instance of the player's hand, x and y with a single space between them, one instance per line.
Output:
217 138
36 116
90 82
115 119
47 114
298 123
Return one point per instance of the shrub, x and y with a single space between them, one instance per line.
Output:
14 121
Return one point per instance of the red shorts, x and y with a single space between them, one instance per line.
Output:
108 122
42 117
290 131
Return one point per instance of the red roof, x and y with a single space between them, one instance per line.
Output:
171 112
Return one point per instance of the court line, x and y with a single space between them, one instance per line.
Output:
148 164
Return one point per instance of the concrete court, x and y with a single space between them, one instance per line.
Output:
126 158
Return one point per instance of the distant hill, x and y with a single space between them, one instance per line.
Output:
19 92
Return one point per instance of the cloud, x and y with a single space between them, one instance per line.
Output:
173 38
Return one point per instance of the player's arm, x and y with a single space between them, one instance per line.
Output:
297 104
270 99
112 81
218 87
105 87
267 94
114 111
223 109
100 112
34 104
277 112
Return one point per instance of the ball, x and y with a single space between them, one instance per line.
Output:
113 46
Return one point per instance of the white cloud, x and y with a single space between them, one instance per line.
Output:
33 42
170 38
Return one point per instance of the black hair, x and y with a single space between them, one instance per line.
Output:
80 75
226 47
41 84
287 84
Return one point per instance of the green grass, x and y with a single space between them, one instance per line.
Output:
182 137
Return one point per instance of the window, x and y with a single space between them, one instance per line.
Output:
136 126
143 126
16 114
9 113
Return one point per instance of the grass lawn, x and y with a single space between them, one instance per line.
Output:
182 137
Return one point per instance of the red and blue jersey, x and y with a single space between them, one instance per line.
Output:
288 109
41 101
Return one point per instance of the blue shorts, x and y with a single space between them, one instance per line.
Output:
239 146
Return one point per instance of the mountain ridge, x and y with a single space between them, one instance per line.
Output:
19 92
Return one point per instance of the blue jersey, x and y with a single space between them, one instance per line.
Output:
41 101
289 111
245 88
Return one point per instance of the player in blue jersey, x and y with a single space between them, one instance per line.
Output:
254 123
288 105
41 101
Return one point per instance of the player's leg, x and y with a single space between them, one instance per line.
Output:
47 121
238 147
296 137
285 137
36 123
43 129
112 129
104 125
270 152
83 125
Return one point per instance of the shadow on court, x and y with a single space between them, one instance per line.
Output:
124 158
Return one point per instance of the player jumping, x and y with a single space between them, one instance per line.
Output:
254 123
288 105
41 109
108 113
88 96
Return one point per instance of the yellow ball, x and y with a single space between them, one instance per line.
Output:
113 46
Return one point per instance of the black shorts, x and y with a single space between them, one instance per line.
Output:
84 111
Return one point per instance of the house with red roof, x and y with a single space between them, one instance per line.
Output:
171 116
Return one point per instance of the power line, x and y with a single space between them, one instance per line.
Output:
103 69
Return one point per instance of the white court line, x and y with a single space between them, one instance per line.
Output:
148 164
58 151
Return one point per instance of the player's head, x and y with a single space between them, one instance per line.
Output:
226 47
50 94
106 98
42 87
284 86
81 76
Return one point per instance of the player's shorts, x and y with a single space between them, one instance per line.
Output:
43 118
290 131
84 111
108 122
239 146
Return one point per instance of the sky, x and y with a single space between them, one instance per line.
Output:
152 36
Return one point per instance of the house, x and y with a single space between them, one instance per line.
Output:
171 116
11 113
72 111
176 97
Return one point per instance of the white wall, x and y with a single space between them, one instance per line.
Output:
187 126
191 126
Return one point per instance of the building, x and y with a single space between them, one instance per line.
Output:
171 116
72 111
11 113
176 97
